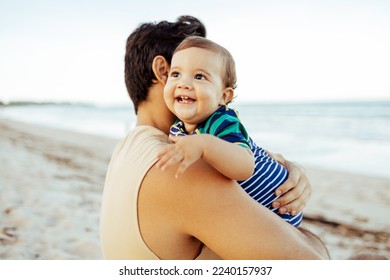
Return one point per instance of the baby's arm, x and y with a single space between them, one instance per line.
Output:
232 160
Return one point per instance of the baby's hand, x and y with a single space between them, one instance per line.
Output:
185 150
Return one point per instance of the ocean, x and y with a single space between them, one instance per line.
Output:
344 136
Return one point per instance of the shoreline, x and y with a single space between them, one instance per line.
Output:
51 184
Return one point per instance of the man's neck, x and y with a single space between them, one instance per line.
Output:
157 116
153 111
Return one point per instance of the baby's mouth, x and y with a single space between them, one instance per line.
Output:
184 99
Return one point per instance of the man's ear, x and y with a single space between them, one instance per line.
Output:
227 96
160 69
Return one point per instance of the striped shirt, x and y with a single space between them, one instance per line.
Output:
268 174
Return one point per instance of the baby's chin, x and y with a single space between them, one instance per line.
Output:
188 113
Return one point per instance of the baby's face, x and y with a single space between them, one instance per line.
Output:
194 88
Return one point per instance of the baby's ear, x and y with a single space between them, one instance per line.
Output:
160 69
227 96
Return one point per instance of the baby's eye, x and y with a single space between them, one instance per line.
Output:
174 74
200 77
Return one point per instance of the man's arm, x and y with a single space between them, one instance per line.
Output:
232 160
234 226
215 210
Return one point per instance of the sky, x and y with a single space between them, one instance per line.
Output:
335 50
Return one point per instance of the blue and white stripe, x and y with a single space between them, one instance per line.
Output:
267 177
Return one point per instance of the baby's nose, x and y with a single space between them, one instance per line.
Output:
184 85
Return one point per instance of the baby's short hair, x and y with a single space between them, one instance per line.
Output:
229 76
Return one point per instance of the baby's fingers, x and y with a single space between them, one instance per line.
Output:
163 152
169 159
163 157
172 161
182 168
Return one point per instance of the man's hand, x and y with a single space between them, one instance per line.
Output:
296 191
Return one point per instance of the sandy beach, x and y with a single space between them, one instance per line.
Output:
51 185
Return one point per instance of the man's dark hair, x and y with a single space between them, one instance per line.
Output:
148 41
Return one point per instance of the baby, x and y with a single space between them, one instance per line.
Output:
200 85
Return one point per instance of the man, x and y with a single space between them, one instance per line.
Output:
148 214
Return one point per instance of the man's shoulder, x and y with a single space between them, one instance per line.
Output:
140 144
140 133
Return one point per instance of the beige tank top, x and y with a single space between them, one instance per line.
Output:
132 158
119 229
